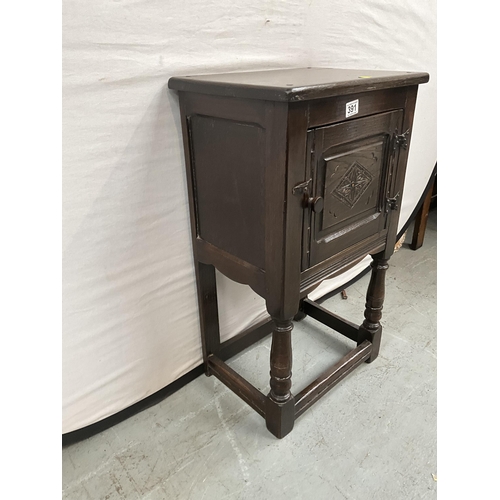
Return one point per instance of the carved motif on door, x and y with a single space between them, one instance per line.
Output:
354 183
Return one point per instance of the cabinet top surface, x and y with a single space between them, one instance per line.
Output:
297 84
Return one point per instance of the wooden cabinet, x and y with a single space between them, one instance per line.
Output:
293 177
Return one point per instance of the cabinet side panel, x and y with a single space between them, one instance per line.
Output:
228 173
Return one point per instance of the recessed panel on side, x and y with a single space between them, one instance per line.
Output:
228 172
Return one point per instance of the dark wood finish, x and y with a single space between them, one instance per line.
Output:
421 218
229 265
399 170
295 84
300 316
341 325
280 417
340 262
371 329
237 384
293 177
281 361
325 112
209 313
331 377
356 153
237 168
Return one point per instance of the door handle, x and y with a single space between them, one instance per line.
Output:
316 204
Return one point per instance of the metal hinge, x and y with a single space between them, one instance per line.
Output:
401 140
392 203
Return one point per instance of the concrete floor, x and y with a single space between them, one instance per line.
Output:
371 437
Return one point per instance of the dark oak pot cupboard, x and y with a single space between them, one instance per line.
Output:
294 176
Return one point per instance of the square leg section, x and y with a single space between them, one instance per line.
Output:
208 310
373 336
280 417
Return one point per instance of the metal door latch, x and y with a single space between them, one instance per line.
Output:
303 187
315 203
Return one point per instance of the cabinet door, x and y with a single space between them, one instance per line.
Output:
351 167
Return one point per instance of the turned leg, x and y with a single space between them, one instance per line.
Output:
281 361
280 410
371 329
209 313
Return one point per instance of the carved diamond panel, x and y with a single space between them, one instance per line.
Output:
354 183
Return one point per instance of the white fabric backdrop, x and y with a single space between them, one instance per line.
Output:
130 324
